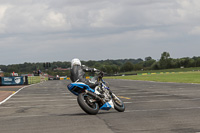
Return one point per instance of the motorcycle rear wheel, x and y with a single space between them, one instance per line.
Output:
84 101
118 104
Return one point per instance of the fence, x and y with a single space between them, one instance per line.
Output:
36 79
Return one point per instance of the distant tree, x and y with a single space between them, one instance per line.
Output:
174 63
128 66
102 68
108 66
197 63
90 63
108 69
137 67
184 62
148 62
165 60
148 58
155 66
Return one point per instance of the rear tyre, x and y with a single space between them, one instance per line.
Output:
86 103
118 104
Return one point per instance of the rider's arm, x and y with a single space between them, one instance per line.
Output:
88 69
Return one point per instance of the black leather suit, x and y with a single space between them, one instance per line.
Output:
78 74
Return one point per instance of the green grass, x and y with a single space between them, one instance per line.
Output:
166 70
183 77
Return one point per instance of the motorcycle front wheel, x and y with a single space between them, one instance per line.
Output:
118 104
86 102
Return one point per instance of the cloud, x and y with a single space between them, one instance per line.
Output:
78 15
3 8
55 20
195 31
38 29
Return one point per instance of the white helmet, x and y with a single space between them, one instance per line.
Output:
75 61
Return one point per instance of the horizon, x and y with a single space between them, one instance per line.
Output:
95 60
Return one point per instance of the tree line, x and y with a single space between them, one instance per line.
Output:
126 65
109 66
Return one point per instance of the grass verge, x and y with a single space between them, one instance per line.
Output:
182 77
166 70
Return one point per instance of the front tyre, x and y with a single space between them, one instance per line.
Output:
87 104
118 104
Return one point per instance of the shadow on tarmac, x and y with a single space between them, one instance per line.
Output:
83 114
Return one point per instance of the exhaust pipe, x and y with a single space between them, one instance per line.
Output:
96 97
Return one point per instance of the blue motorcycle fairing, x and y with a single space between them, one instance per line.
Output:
78 87
106 106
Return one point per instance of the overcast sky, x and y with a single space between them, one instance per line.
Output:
60 30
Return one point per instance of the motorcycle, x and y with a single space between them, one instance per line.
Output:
93 100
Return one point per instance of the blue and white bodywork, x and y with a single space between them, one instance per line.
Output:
105 103
78 87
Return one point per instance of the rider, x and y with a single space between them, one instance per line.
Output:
78 73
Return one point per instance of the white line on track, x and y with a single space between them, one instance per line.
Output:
40 101
42 94
127 102
172 95
14 94
23 116
167 109
30 98
172 100
40 106
186 93
23 95
155 96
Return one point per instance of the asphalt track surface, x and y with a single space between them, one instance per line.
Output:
150 108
